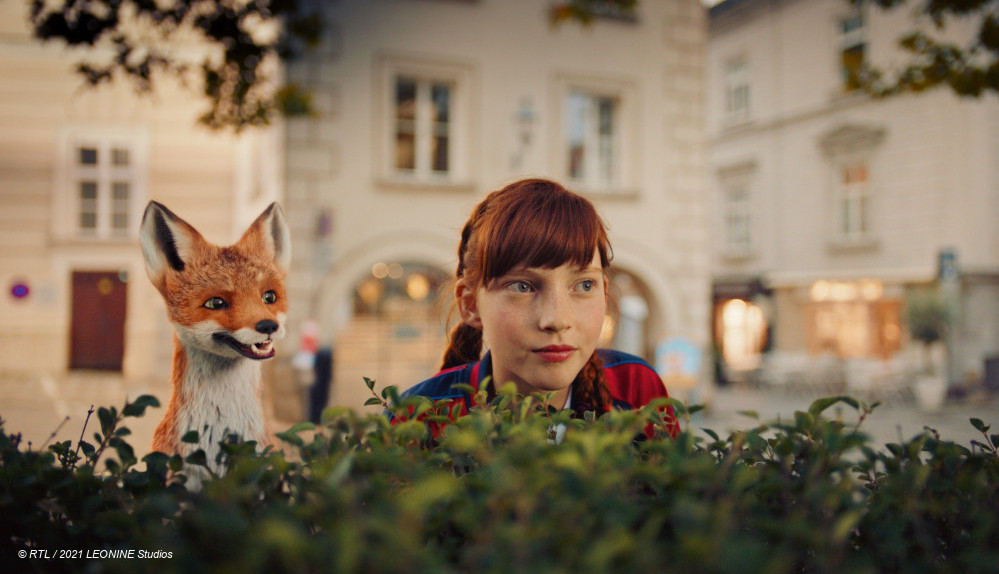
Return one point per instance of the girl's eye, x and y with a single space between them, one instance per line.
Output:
519 286
215 303
587 285
270 297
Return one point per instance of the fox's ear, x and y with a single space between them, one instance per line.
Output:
270 236
167 241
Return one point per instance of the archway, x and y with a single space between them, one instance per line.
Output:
395 331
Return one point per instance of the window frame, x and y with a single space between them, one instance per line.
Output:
852 203
106 175
426 72
624 158
848 40
733 84
737 179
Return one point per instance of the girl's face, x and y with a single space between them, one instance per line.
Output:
541 325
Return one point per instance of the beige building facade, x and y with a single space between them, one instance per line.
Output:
426 106
77 167
830 208
423 108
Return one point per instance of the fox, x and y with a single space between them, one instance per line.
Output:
228 307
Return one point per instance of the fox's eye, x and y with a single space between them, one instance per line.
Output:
215 303
270 297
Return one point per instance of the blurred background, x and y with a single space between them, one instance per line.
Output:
780 230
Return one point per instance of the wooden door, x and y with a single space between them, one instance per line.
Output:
97 333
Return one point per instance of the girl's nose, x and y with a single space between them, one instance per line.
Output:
554 312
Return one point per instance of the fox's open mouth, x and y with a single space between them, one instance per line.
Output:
263 350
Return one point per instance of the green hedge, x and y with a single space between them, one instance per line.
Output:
357 494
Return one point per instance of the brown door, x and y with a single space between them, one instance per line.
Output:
97 336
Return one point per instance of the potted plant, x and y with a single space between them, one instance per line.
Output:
928 316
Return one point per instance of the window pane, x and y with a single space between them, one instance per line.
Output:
88 156
605 114
119 157
405 151
405 125
88 190
120 206
88 206
853 63
606 107
405 98
440 163
852 46
575 133
441 94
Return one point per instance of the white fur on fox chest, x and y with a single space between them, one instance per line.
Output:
219 398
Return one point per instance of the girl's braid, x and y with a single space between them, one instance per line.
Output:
589 390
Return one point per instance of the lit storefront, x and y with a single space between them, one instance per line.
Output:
853 319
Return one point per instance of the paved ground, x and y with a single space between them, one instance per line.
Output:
892 422
44 409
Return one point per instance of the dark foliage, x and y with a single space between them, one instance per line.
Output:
358 494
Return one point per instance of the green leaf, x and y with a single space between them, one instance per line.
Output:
107 420
190 437
372 401
370 383
198 457
139 406
302 427
87 448
981 426
464 388
340 472
804 421
820 405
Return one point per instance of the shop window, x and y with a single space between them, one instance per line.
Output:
853 319
742 333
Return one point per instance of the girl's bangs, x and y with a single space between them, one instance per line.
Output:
549 231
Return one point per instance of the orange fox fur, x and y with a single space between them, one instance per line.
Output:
228 306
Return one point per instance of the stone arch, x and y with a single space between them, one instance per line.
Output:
396 340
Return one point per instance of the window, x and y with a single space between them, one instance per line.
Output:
590 130
852 200
737 90
738 220
102 179
743 331
737 209
594 139
426 122
852 49
852 319
422 126
851 150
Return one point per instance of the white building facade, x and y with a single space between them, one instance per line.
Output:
829 207
426 106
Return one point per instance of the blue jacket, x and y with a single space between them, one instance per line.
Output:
632 383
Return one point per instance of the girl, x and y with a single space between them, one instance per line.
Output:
532 289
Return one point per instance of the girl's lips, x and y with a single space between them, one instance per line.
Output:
555 353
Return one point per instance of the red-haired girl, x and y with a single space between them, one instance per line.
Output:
532 289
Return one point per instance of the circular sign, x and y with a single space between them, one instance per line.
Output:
20 290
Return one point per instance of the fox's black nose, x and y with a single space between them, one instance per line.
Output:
267 326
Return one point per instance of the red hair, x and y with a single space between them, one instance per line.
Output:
534 223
